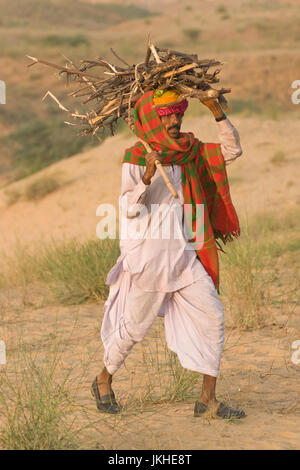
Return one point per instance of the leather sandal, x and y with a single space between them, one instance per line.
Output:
106 403
224 411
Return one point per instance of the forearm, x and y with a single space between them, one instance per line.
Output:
215 108
230 141
228 135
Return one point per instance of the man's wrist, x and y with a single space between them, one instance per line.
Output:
221 118
146 180
217 111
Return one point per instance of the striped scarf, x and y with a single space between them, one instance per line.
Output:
203 175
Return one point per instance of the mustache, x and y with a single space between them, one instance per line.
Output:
177 127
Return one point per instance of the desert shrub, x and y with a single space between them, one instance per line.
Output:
192 34
278 158
221 9
41 187
12 196
75 40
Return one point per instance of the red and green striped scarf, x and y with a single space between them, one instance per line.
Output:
204 177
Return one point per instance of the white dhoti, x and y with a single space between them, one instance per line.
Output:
193 317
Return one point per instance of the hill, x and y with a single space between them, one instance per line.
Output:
258 44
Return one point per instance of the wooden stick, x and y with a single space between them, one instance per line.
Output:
148 53
180 70
162 172
62 69
154 52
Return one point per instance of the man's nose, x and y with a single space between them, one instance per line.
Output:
175 119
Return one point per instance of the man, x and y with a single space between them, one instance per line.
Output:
175 276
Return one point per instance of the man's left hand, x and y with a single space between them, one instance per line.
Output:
215 107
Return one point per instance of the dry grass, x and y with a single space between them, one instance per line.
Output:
244 282
71 271
35 405
161 379
251 268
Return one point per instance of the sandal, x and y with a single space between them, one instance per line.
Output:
106 403
224 411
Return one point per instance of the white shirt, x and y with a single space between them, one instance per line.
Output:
158 260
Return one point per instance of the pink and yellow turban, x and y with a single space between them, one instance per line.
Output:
163 99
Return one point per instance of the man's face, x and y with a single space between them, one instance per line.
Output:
172 124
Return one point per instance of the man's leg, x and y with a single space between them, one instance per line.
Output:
141 310
104 380
208 393
195 332
194 327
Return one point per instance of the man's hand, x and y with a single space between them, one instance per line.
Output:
215 108
150 166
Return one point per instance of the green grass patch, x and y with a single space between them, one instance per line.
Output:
54 40
245 106
72 272
67 13
192 34
266 108
41 187
38 143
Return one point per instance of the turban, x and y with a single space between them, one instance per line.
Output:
168 102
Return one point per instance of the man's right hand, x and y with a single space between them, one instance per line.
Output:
150 165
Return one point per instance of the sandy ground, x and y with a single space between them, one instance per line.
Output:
257 375
257 372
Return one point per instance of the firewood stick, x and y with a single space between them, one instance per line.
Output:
154 52
162 172
159 167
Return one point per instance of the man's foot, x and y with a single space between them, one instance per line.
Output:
105 402
104 381
222 410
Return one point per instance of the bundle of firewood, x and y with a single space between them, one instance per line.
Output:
113 90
